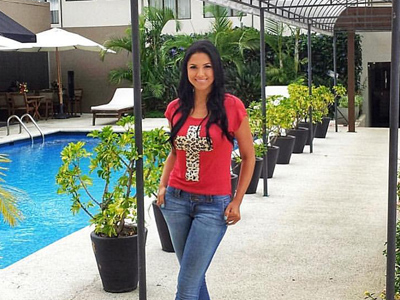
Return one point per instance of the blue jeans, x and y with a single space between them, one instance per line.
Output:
197 225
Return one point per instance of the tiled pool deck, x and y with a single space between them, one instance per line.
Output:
319 235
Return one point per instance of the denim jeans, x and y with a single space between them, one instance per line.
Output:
196 224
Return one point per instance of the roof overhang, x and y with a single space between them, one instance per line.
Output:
321 15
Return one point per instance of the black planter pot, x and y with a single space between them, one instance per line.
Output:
307 125
117 262
235 167
285 144
252 189
322 128
234 182
162 228
272 158
301 135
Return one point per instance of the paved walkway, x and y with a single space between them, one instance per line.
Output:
319 235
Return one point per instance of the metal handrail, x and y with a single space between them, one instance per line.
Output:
34 123
21 124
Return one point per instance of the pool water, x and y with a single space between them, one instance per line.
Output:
47 215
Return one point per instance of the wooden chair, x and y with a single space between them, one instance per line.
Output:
77 101
20 104
47 103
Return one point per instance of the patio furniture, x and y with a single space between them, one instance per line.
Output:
4 103
49 103
35 101
277 90
121 102
20 103
46 103
76 102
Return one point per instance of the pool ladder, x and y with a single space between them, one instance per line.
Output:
21 124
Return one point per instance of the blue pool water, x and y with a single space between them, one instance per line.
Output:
47 215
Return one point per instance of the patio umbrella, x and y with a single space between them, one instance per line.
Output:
13 30
9 43
57 39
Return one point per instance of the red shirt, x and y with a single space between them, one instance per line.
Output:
203 167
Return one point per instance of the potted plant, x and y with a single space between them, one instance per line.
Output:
259 149
255 120
343 105
300 102
322 98
113 160
279 118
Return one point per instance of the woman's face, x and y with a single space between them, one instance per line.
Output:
200 72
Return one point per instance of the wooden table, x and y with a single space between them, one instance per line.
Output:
35 100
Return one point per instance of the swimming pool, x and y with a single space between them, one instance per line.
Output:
47 215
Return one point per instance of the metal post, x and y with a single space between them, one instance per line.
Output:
351 81
139 146
311 133
264 111
393 153
335 78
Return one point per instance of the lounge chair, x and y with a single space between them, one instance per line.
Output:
277 90
121 102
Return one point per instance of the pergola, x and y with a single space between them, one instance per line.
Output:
321 16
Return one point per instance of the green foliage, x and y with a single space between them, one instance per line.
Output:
284 68
280 115
8 197
254 112
260 149
114 156
320 100
286 56
155 114
245 82
344 101
300 102
156 73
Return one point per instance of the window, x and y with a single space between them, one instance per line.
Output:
181 8
230 12
54 11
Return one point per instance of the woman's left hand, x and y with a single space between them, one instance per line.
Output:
232 213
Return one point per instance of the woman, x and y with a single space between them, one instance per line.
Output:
194 193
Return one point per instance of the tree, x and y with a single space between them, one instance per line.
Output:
8 199
152 62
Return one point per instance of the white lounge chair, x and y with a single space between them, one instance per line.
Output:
277 90
121 102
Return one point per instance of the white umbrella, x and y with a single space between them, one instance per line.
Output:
9 43
57 39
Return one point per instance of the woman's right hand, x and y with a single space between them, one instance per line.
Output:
161 196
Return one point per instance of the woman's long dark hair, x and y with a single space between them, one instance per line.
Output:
215 99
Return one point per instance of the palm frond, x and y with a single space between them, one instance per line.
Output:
121 74
221 21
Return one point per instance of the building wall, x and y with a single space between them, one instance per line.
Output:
98 13
35 16
95 13
376 48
